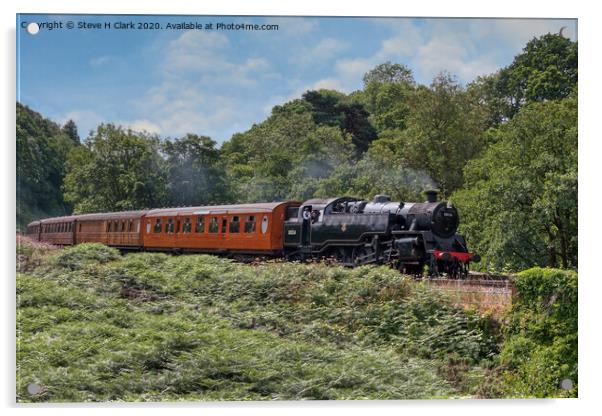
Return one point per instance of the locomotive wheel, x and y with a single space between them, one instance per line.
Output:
363 255
342 255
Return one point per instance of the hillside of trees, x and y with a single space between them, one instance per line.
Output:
502 148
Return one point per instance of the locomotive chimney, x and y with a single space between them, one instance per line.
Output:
431 196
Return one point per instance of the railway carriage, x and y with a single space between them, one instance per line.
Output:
117 229
242 229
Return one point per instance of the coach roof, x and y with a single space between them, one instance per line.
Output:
218 209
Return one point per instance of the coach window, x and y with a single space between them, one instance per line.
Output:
177 226
169 226
213 225
235 224
130 226
158 225
187 226
115 226
148 226
224 225
264 224
200 224
250 224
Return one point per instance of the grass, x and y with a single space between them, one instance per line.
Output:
93 325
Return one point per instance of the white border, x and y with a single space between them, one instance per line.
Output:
589 177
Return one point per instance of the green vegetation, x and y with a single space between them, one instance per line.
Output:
93 325
519 205
42 149
541 337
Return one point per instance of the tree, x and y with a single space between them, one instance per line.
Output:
519 202
389 73
284 156
193 172
545 70
70 129
387 94
332 108
115 169
42 150
444 130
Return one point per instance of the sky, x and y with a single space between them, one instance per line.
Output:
216 82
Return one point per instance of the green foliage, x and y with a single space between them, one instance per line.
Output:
285 156
70 129
545 70
444 129
540 350
79 256
389 73
153 327
387 94
332 108
115 170
42 150
194 176
519 205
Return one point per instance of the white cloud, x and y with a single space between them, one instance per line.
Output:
323 51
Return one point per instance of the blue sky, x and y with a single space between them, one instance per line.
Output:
216 83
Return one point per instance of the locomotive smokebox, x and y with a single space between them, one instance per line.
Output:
431 195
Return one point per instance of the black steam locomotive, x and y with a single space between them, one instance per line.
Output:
415 237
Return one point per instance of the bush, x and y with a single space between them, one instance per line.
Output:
540 350
82 255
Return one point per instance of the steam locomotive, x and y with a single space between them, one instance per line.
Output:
415 237
411 236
